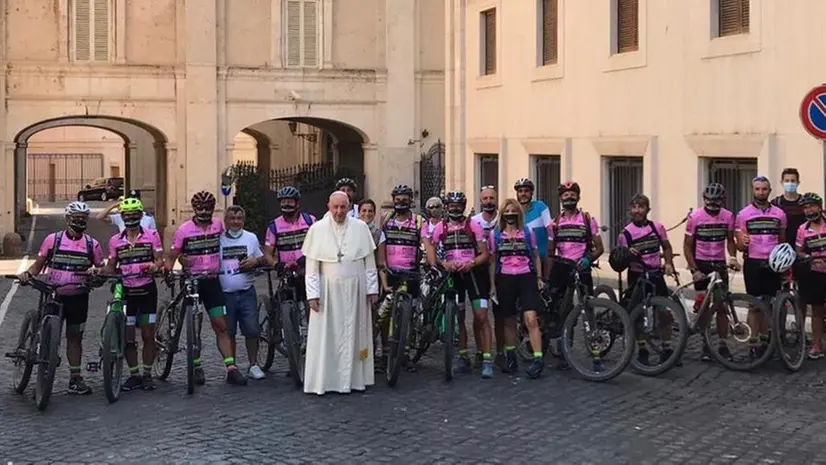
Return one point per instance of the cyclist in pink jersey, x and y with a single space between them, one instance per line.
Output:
811 241
286 234
516 284
758 228
199 241
466 258
709 233
138 252
69 255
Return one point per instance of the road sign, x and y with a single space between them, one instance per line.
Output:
225 190
813 112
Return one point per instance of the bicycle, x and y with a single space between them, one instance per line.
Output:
791 335
271 339
436 319
293 322
168 328
401 315
38 341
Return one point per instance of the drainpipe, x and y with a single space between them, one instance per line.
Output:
462 92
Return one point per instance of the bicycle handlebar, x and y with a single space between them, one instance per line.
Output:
47 288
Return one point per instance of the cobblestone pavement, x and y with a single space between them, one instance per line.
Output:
699 413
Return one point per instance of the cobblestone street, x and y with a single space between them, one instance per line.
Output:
696 414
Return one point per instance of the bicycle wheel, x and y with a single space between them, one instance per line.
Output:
399 326
266 339
167 335
292 341
663 327
114 347
22 359
48 359
753 352
789 326
596 334
606 291
449 337
189 320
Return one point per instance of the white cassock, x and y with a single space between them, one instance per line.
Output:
341 272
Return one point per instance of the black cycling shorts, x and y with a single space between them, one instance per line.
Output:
141 304
413 286
812 288
212 297
562 278
75 311
476 283
657 279
515 291
760 279
708 268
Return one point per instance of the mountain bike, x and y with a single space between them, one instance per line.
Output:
789 319
271 339
401 315
436 318
38 340
293 323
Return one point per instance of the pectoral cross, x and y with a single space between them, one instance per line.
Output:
339 255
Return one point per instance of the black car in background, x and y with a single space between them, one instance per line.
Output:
102 189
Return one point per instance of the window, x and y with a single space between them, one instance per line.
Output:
549 27
488 41
735 175
732 17
90 30
624 182
488 171
302 33
547 175
628 20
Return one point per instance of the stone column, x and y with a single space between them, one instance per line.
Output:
162 201
10 191
373 172
18 162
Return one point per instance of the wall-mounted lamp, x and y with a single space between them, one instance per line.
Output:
425 133
312 137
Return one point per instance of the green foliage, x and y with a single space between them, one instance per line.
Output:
248 190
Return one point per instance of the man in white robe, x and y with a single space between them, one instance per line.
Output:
342 283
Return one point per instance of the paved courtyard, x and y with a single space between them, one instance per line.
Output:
696 414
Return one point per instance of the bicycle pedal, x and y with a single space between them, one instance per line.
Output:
92 367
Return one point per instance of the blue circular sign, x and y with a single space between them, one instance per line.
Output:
225 190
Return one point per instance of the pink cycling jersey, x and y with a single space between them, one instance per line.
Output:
402 242
460 242
813 243
288 238
644 240
710 233
134 258
571 236
513 253
763 228
73 257
200 246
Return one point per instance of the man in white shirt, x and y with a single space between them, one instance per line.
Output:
487 219
240 254
147 221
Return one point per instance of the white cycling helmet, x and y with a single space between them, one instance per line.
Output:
77 207
782 258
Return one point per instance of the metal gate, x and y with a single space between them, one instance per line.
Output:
59 176
624 181
432 173
735 174
548 178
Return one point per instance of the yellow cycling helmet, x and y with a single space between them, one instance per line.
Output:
130 205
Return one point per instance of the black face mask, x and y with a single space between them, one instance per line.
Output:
288 209
569 204
78 226
816 217
131 222
510 219
713 208
455 214
203 217
401 207
489 207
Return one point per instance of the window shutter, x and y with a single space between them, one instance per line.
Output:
627 26
310 34
101 25
293 33
550 24
82 30
490 41
734 17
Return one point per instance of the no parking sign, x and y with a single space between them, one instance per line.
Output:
813 112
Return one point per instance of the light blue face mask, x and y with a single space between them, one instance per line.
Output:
790 187
235 234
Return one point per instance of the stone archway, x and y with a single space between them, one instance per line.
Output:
145 158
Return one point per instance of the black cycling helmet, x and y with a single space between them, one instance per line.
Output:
640 199
289 192
569 186
402 189
714 191
346 182
455 197
523 182
811 198
203 200
620 259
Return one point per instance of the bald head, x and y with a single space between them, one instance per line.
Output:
339 205
488 198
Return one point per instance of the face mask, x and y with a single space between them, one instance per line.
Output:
78 225
510 219
203 217
288 209
569 204
790 187
131 223
489 207
235 234
815 216
455 214
435 212
401 207
713 207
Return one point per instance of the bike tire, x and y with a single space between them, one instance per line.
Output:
628 335
114 347
755 363
25 347
266 341
399 321
292 341
607 291
167 327
49 358
189 318
448 338
679 319
795 361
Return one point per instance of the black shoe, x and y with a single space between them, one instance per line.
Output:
200 379
78 387
706 357
134 382
499 361
477 363
724 352
562 364
642 356
536 367
511 364
235 377
148 382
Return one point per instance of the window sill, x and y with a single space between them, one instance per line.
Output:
627 60
741 44
548 72
488 81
